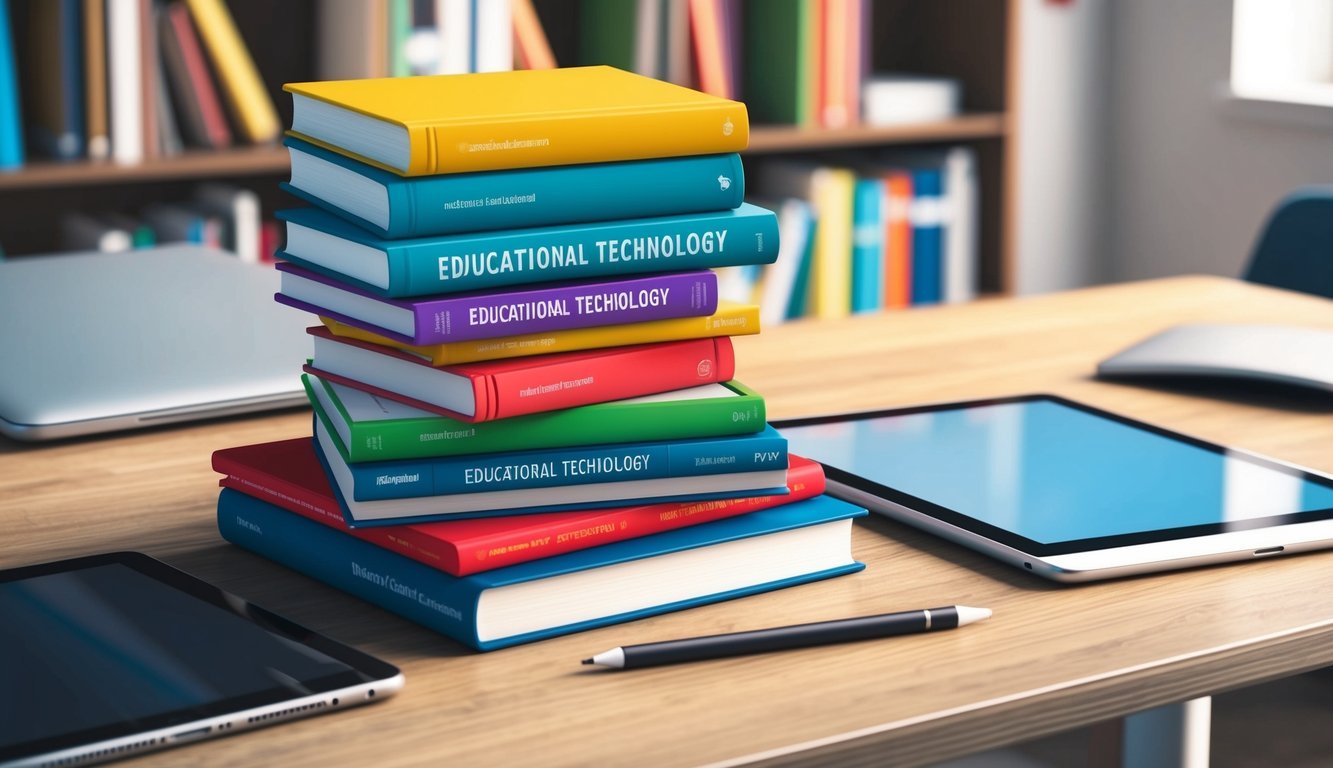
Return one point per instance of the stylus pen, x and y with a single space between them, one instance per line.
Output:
782 638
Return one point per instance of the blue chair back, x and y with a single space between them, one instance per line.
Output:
1295 250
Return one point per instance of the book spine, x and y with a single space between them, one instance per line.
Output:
572 139
405 540
566 466
589 425
441 205
491 260
624 373
11 130
414 591
245 91
927 247
730 319
867 247
488 315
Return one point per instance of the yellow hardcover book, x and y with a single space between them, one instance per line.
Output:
831 271
730 319
250 102
417 126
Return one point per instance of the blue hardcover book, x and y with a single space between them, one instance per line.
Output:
743 555
422 266
927 236
867 246
800 287
583 465
11 127
396 207
330 449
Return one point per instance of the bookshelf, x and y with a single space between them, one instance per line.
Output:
971 40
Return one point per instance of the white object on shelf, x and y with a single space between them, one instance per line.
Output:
898 98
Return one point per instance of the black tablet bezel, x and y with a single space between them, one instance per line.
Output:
1039 549
364 668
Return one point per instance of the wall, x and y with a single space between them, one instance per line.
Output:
1063 64
1190 182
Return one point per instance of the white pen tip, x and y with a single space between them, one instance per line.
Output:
968 615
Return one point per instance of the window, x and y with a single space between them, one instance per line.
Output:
1282 50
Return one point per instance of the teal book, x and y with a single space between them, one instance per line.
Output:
799 303
394 207
11 127
927 236
626 580
867 246
422 266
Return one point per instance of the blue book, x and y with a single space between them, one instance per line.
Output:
11 129
423 266
707 563
800 287
396 207
583 465
519 501
867 246
927 236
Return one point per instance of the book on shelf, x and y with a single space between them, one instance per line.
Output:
373 428
286 473
780 43
565 466
11 125
723 559
897 238
520 501
98 133
532 49
501 389
539 308
395 207
795 228
50 39
124 30
492 36
326 244
202 120
352 39
250 102
867 245
528 118
238 209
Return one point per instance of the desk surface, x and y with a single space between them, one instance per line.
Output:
1052 657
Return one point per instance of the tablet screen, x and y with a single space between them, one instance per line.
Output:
1052 472
126 645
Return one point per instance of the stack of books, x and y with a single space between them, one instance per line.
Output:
526 416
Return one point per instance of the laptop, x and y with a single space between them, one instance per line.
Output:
93 342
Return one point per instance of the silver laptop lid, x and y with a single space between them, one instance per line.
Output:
100 341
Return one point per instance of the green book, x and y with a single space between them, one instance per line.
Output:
375 429
607 31
778 46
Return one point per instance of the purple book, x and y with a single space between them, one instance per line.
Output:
488 314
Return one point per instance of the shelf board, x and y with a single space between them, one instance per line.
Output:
193 164
982 125
270 159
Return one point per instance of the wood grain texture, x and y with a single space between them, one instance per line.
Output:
1052 658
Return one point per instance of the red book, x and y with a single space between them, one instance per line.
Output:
499 389
201 106
287 474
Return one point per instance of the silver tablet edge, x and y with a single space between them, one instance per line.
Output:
57 430
236 722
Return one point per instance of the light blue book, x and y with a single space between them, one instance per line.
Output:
422 266
867 246
395 207
11 127
927 236
743 555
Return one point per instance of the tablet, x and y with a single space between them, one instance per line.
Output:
1066 491
111 655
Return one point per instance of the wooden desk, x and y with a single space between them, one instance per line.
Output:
1052 658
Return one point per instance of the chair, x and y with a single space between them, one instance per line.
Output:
1295 249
